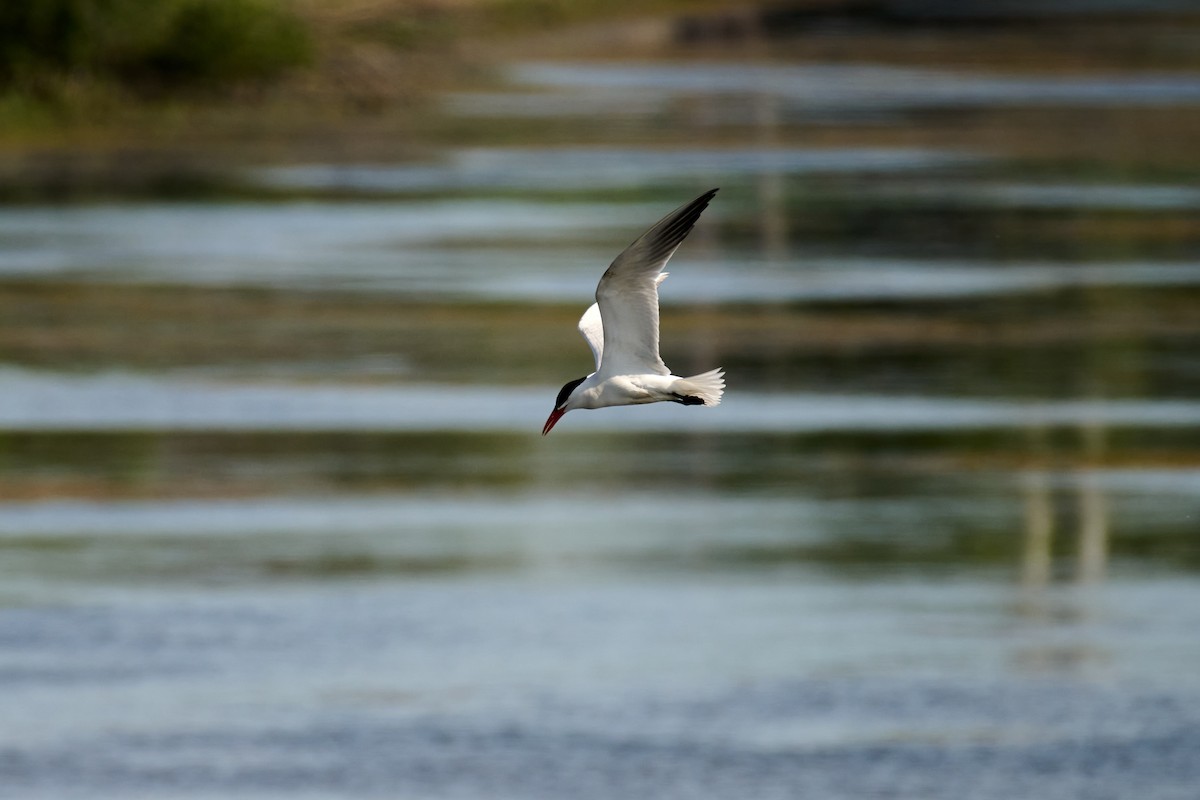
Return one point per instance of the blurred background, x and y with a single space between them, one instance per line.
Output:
287 289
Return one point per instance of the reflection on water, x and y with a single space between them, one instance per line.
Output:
276 520
1091 515
41 401
822 91
281 243
447 250
596 168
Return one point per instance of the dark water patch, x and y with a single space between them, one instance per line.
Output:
928 228
148 176
225 465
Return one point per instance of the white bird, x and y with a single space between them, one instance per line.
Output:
621 327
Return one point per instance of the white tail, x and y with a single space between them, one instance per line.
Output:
708 386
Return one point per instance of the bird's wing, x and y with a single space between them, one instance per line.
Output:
627 295
592 328
591 325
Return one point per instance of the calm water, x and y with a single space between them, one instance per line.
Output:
275 519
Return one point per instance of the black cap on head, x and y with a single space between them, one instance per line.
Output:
566 390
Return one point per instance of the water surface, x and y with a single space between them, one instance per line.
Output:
276 519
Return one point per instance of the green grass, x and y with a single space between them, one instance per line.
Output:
149 45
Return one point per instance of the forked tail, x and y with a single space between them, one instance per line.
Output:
705 388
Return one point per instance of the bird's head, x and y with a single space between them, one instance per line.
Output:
562 403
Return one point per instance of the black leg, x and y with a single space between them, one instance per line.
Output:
687 400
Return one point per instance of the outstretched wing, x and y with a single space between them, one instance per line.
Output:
627 296
591 325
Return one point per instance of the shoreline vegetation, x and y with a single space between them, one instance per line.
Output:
94 74
168 98
164 99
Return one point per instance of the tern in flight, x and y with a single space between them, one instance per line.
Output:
621 327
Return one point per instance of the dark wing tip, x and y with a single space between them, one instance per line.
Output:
662 239
693 209
655 246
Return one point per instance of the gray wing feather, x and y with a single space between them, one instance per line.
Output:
627 295
591 326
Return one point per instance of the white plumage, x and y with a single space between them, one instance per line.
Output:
621 328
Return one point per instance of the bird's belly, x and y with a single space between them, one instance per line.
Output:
630 390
